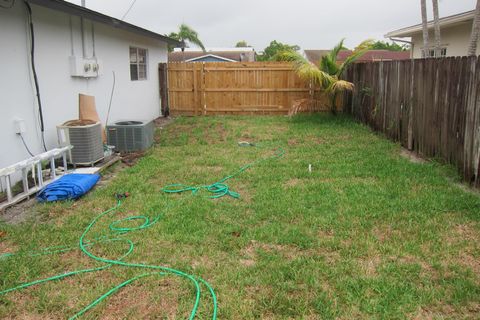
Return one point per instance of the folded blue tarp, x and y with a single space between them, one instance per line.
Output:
69 186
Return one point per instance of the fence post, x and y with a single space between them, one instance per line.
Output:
476 136
410 109
203 100
470 130
195 89
163 84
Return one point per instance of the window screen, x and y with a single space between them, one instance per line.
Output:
138 63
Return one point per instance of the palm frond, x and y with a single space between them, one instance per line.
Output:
359 51
174 35
365 44
334 52
187 33
308 71
328 65
304 68
339 86
288 56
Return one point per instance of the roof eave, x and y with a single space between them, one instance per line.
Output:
446 21
73 9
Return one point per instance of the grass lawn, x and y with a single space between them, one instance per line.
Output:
367 234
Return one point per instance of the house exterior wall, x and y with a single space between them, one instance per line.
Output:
59 91
454 38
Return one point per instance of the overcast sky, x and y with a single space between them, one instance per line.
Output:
311 24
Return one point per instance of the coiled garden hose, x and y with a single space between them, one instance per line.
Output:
219 188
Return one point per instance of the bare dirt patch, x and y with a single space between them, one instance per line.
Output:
467 236
465 187
384 233
314 139
326 234
412 156
293 183
136 302
7 247
254 292
293 142
246 135
466 232
247 262
243 191
288 252
162 122
446 311
330 256
470 261
131 158
21 301
111 173
31 316
203 262
369 265
222 132
343 137
20 212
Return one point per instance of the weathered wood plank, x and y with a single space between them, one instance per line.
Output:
432 106
210 87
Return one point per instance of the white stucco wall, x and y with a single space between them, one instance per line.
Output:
59 91
454 38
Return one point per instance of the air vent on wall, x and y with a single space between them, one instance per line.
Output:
129 136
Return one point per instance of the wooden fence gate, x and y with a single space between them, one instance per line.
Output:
210 88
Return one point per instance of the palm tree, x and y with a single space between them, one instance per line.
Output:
328 72
472 48
424 28
436 24
187 34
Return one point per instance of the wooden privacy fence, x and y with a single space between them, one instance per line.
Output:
432 106
210 88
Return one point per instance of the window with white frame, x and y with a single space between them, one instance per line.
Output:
430 53
138 63
442 52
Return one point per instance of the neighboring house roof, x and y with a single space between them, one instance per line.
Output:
376 55
76 10
449 21
210 56
212 49
371 55
232 56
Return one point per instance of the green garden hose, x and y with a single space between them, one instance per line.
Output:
217 189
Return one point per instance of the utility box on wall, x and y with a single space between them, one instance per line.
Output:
84 67
130 136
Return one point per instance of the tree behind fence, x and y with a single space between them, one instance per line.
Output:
432 106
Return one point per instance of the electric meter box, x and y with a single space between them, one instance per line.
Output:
84 67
